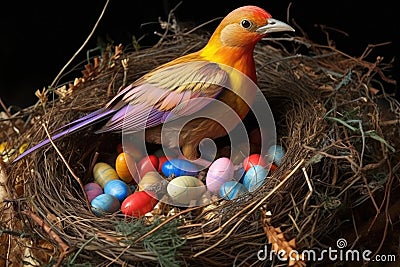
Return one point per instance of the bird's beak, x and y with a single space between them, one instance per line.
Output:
274 25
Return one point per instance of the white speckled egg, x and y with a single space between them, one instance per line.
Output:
231 190
254 177
150 179
185 189
219 172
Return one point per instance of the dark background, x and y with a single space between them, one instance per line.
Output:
38 38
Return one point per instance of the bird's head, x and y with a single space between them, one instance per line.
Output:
245 26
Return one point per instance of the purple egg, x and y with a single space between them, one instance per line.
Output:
219 172
93 190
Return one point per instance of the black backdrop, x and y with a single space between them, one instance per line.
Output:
39 37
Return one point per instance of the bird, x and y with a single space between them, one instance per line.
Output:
149 100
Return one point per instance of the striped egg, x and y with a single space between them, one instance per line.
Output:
179 167
103 204
219 172
149 180
185 189
231 190
138 204
93 190
118 189
125 166
103 173
254 177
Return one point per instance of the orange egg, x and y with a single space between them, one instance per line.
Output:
125 166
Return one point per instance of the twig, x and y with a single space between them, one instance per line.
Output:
201 25
67 165
310 189
82 46
64 247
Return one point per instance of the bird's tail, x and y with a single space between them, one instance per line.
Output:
70 128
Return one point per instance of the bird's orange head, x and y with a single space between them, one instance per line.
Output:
236 36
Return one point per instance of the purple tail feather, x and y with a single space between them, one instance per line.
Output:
70 128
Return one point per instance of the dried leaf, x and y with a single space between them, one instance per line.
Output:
279 243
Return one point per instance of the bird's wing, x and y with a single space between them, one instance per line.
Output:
168 89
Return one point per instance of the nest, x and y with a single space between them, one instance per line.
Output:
337 180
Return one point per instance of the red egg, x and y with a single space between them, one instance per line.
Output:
148 164
253 159
93 190
138 204
125 166
161 161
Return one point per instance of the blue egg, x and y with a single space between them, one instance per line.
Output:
179 167
275 154
231 190
104 203
254 177
118 189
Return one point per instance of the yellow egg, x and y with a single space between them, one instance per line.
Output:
185 190
149 179
103 172
125 166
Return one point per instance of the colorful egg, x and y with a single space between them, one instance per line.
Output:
185 189
103 173
254 177
231 190
149 179
253 159
138 204
219 172
103 204
92 190
125 166
118 189
179 167
276 153
147 164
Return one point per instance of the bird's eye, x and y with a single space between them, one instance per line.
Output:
245 24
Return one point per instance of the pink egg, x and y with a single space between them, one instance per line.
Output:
220 171
93 190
